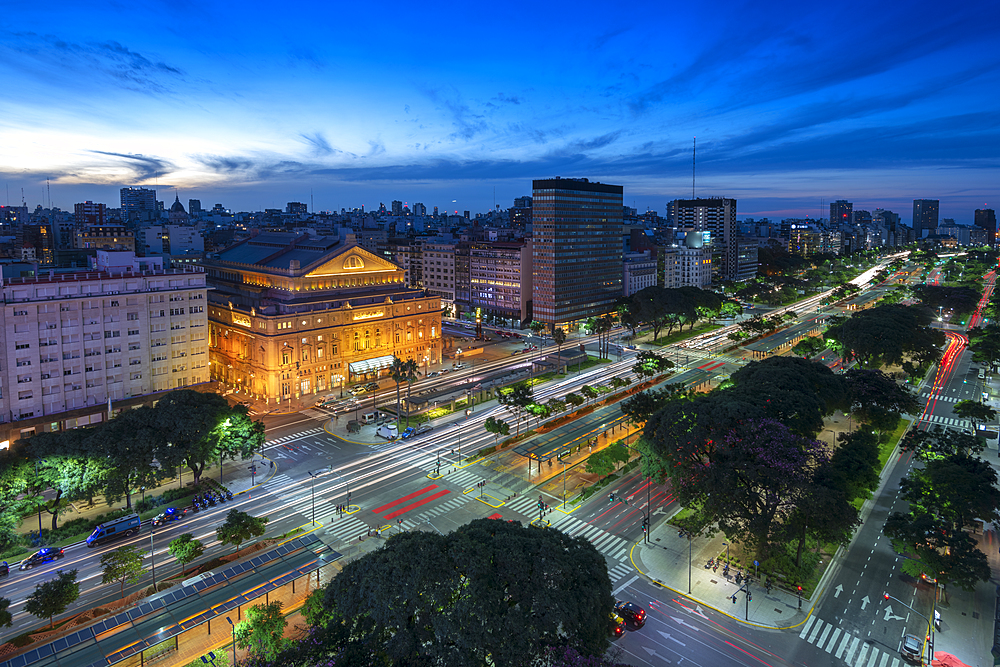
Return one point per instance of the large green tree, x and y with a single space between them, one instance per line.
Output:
458 599
261 632
649 364
53 597
186 549
976 412
240 527
878 400
123 565
887 335
516 398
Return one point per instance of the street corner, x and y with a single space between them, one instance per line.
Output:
492 501
566 508
541 523
434 475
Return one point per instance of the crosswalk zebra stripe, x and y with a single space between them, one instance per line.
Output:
826 632
843 645
833 640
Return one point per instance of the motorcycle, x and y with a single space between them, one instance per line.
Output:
229 494
196 501
221 497
210 500
708 565
937 620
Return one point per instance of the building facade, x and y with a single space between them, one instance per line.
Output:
925 216
138 204
293 315
104 237
718 216
986 219
88 213
500 278
577 250
638 272
72 340
439 270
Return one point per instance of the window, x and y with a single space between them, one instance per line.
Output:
22 346
132 316
133 332
284 358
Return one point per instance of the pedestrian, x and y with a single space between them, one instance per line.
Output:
272 465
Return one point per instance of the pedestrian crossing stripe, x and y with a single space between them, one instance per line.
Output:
294 436
947 421
844 646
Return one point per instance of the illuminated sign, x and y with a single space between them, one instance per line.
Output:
479 311
241 320
370 314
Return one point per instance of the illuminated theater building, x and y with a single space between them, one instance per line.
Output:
294 314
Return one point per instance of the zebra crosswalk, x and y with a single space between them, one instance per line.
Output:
845 646
293 436
953 422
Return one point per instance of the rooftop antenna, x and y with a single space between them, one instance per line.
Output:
48 192
694 154
312 203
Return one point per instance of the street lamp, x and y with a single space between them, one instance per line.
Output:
152 553
689 535
930 626
234 638
313 476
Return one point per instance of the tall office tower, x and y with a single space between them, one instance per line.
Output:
577 253
296 208
397 207
925 216
717 216
419 209
841 212
194 206
89 213
137 200
986 219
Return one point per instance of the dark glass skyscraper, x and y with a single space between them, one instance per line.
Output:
577 254
925 216
986 219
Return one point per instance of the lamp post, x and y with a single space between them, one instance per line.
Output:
687 534
726 544
930 626
459 427
39 505
152 553
234 638
313 477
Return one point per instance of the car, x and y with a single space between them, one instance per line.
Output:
912 649
371 386
424 428
46 555
357 391
631 612
617 625
459 366
442 371
4 569
515 352
433 374
408 432
168 515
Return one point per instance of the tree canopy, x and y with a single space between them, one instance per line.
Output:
240 527
53 597
887 335
490 593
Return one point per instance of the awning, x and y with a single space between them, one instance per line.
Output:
370 365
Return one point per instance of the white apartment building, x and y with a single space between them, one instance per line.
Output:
638 272
687 266
439 271
500 278
74 339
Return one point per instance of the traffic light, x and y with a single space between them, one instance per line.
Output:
734 599
800 592
611 497
885 595
749 596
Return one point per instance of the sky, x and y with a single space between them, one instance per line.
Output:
460 106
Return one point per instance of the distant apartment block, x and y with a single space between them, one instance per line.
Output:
577 250
986 219
717 216
72 339
138 204
810 239
88 213
500 280
439 270
688 264
925 216
104 237
638 272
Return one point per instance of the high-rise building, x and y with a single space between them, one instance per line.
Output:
577 253
841 212
419 209
138 204
925 216
986 219
296 208
194 206
397 207
717 216
500 280
88 213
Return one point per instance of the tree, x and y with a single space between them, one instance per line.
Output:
516 398
877 399
240 527
131 444
886 335
397 371
537 327
809 347
497 427
648 364
574 399
559 336
938 442
641 406
124 565
261 632
588 391
53 597
186 549
6 618
410 374
442 597
600 463
975 411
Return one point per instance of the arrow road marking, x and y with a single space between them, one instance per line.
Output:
681 621
659 510
864 602
839 589
890 616
651 653
671 638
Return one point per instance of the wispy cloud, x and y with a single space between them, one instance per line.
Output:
144 166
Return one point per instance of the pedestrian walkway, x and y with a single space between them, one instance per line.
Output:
665 560
845 646
947 421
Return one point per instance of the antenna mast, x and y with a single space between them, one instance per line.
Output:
48 192
694 154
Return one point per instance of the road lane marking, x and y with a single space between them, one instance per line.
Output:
411 496
625 585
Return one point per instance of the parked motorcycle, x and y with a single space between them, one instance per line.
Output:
708 565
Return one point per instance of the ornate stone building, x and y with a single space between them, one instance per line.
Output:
292 315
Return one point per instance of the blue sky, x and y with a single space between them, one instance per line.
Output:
794 104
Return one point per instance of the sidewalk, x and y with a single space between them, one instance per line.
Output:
664 561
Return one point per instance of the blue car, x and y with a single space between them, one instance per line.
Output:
46 555
408 432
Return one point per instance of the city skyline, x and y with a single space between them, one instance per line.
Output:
793 108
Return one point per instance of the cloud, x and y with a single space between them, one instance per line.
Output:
319 144
83 63
507 99
144 166
307 57
466 122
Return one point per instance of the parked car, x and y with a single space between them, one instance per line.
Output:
433 374
631 612
408 432
371 386
4 569
46 555
357 391
424 428
168 515
459 366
